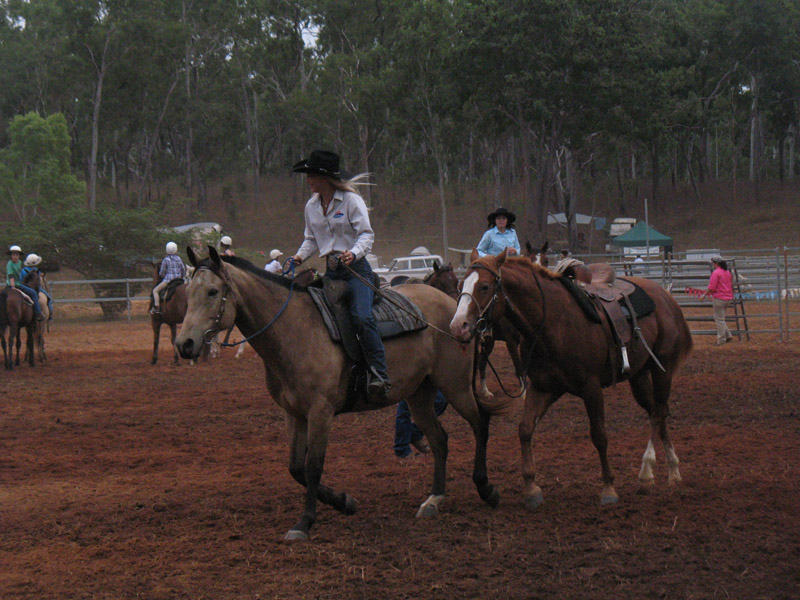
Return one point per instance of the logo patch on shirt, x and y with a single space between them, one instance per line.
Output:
338 214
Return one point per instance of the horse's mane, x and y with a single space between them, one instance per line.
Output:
249 267
526 263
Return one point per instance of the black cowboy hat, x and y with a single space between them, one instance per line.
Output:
501 212
321 162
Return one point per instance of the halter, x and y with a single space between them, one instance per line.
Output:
211 334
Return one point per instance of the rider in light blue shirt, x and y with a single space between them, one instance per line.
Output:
500 235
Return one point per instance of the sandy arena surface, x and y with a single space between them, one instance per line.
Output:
121 480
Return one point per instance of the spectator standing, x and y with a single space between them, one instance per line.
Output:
274 265
720 288
407 434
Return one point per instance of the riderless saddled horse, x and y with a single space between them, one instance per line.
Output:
567 351
308 374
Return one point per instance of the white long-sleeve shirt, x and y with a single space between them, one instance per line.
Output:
345 227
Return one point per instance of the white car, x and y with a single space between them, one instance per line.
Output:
411 266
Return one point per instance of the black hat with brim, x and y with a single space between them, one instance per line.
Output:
322 162
502 212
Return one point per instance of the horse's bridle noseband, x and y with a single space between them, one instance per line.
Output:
486 314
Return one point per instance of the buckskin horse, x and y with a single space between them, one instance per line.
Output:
172 314
566 352
307 373
16 313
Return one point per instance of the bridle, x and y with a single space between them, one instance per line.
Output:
486 318
431 276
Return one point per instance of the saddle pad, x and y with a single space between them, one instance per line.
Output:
642 304
390 320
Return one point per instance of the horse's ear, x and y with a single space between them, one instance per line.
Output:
191 255
500 259
545 247
473 255
528 247
214 256
435 266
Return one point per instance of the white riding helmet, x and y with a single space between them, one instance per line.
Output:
275 254
15 249
226 239
172 248
32 260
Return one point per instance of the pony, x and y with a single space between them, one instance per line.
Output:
17 314
568 353
172 314
307 374
444 279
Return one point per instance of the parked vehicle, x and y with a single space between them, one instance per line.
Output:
410 266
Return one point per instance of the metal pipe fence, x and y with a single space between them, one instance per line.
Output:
78 298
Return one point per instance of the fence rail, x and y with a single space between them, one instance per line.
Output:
127 298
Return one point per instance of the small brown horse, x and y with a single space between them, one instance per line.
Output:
172 314
43 326
307 373
568 353
16 314
443 279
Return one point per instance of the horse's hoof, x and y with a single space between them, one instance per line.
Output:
350 505
154 361
534 501
493 498
295 535
428 510
608 499
651 482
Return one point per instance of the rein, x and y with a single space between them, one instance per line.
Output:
210 334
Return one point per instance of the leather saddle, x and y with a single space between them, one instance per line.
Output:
623 302
25 298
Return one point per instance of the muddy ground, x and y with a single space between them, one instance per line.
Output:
120 480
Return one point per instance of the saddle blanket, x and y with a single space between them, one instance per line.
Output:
389 318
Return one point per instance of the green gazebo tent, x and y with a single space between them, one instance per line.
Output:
639 235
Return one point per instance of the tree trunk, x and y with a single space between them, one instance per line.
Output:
98 97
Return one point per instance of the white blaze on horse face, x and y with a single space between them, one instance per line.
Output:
459 325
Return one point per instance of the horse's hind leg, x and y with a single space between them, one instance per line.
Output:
29 349
642 388
662 386
173 332
536 405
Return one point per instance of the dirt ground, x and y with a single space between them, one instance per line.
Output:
120 480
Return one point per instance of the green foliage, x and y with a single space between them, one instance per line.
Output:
35 172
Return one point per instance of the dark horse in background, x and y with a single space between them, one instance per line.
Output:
308 374
172 314
571 354
16 313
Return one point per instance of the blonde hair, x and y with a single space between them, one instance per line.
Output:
349 185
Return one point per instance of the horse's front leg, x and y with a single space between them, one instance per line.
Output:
536 405
317 428
17 333
156 332
298 436
594 403
173 332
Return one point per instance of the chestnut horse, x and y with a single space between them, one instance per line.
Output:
308 374
16 314
443 279
568 353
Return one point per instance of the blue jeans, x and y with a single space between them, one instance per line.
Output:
33 296
361 298
405 431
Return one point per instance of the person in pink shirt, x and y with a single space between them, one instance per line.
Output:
720 288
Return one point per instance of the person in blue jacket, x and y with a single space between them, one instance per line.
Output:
500 234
